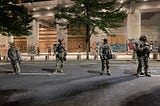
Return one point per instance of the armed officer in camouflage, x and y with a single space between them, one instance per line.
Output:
105 55
143 51
14 56
60 53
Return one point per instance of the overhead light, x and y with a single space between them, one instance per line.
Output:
48 8
145 0
121 1
82 5
34 9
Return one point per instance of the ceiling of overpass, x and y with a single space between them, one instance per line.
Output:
148 15
48 20
117 0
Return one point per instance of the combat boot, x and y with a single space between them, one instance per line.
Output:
55 72
139 72
148 75
108 72
138 75
61 71
102 71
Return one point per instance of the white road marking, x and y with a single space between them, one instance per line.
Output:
40 73
155 75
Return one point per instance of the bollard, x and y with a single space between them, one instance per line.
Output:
46 57
0 57
114 56
4 58
155 56
78 57
95 57
32 58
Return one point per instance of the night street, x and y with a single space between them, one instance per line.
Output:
80 53
37 86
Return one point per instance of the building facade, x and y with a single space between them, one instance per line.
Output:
143 18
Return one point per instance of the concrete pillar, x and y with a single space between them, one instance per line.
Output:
3 46
134 26
10 39
3 40
34 38
132 7
133 22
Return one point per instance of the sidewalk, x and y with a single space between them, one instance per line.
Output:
81 56
76 56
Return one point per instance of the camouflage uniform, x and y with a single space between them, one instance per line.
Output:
60 56
105 55
143 50
14 56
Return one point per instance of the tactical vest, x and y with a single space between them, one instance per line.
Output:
106 52
140 51
13 54
60 51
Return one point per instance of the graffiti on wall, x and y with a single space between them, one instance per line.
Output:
119 47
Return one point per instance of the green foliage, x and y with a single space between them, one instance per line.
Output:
14 19
91 14
103 14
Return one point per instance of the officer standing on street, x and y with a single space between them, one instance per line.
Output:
143 50
14 56
60 53
105 55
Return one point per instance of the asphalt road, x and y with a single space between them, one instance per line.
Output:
37 86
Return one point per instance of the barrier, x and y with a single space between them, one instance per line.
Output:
155 56
78 57
32 58
95 57
46 57
5 59
114 56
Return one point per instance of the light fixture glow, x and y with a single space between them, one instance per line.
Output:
48 8
34 9
121 1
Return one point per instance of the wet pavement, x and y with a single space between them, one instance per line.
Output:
36 86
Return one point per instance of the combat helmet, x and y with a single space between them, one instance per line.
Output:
143 38
105 40
60 40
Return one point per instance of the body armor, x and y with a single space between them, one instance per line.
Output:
14 56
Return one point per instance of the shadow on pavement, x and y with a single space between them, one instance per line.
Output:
148 98
59 96
5 96
48 70
1 71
